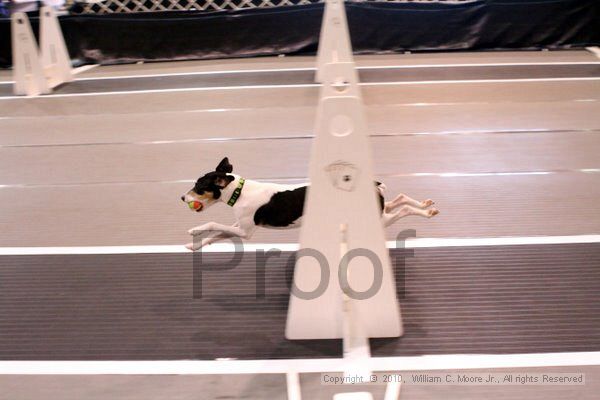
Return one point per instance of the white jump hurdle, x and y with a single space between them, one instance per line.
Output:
334 39
39 70
353 243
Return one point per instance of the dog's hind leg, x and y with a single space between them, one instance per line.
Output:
406 210
402 200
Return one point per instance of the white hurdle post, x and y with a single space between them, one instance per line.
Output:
38 70
342 220
28 74
334 39
53 50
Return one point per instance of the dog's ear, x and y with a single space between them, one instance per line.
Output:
223 180
224 166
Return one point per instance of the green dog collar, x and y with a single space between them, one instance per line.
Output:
236 192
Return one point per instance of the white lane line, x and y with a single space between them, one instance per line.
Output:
304 179
520 80
307 135
293 386
230 247
273 109
309 69
392 390
376 364
463 65
497 241
173 90
296 86
196 73
472 174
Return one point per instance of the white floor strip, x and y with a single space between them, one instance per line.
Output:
197 73
459 81
84 68
309 69
376 364
305 85
293 386
392 390
300 179
595 50
467 65
229 247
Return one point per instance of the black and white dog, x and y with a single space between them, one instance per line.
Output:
271 205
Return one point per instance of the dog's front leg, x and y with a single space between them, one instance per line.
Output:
215 227
198 244
223 232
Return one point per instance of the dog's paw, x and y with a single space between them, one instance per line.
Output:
427 203
191 246
432 212
195 231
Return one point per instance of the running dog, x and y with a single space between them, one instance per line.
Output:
271 205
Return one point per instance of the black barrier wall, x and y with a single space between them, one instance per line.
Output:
374 27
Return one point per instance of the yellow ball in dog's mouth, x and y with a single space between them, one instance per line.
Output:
194 205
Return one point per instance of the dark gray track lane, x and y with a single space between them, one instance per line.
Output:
508 299
279 78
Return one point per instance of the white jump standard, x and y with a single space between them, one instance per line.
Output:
38 71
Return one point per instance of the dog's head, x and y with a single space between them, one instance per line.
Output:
207 189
